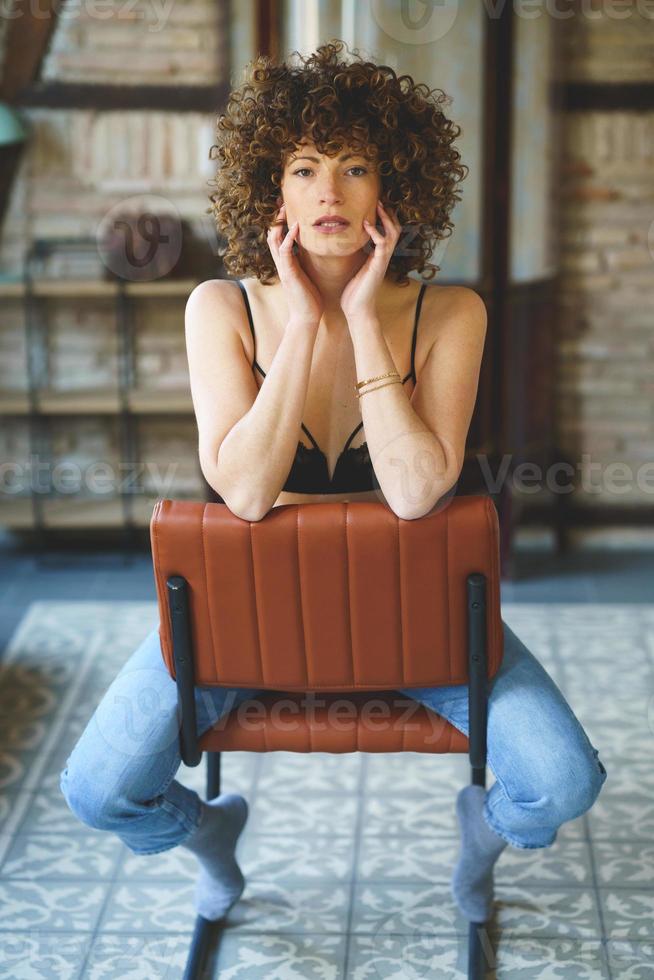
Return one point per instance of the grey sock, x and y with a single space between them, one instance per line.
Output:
220 882
472 881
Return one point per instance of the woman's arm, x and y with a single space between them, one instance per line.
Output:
247 437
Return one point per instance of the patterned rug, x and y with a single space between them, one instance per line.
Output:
348 874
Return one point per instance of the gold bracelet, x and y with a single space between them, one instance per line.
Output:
396 381
389 374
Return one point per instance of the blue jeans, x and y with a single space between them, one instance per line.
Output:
120 775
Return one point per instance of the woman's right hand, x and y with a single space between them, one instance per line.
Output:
305 303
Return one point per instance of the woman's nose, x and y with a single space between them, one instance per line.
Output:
330 192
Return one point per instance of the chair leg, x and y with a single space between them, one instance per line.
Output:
206 934
203 943
213 774
478 724
477 677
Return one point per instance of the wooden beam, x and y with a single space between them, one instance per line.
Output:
174 98
31 26
498 91
268 38
607 96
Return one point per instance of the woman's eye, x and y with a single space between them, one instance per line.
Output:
308 169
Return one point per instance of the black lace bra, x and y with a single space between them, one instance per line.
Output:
354 470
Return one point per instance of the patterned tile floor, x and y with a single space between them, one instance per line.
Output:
343 878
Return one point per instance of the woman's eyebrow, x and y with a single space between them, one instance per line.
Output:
345 156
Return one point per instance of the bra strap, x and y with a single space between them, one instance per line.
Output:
315 444
250 321
415 330
352 437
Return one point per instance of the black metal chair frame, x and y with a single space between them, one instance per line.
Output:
206 934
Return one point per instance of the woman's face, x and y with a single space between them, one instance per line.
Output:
330 185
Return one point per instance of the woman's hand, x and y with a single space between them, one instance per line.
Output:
305 303
359 298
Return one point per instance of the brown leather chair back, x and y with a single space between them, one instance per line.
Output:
328 597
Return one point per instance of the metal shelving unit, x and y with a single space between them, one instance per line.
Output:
44 509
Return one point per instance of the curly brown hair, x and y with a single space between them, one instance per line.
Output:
393 121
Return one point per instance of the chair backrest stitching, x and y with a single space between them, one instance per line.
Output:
353 673
299 576
253 592
206 595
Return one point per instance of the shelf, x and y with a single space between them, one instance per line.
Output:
163 287
98 288
74 288
74 512
82 402
16 512
139 402
12 290
144 401
46 400
14 403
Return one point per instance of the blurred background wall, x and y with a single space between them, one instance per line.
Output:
554 230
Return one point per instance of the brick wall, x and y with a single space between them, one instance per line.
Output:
608 41
139 43
606 351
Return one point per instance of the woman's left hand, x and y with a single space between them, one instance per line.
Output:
359 298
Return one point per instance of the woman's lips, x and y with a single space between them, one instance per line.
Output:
331 229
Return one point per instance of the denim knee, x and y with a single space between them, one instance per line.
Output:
576 794
85 800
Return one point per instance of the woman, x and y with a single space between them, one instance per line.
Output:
366 155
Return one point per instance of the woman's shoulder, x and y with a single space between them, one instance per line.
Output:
219 302
440 298
229 292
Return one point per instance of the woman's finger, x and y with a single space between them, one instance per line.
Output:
274 235
285 253
388 220
286 248
376 236
288 240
